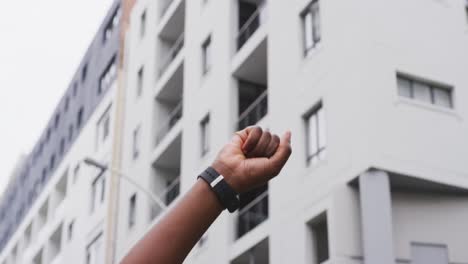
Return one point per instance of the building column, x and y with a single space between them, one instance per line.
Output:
376 217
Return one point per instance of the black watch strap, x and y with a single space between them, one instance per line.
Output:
226 195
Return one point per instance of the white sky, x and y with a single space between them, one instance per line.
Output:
41 45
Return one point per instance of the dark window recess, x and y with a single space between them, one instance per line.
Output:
253 209
318 228
52 162
67 104
62 146
84 73
79 118
312 33
173 190
132 211
57 121
49 132
70 133
43 177
75 89
111 26
108 76
249 21
253 103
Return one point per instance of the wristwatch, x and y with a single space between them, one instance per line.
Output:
225 193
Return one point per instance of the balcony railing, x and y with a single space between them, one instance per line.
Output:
253 214
165 6
172 191
256 111
174 117
172 54
251 25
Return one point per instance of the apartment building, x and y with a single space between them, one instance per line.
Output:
54 209
373 91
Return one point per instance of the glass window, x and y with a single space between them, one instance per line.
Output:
140 79
422 92
312 29
95 251
206 60
316 134
136 142
103 127
205 135
132 211
404 87
427 92
442 97
318 239
143 24
98 188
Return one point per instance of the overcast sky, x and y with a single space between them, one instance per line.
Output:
41 45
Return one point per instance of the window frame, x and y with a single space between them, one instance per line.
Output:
136 142
132 208
140 81
308 10
320 152
143 18
205 135
432 85
206 55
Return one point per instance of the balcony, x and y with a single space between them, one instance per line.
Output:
165 180
174 50
252 113
252 15
258 254
253 210
174 116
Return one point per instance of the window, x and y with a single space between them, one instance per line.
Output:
67 103
76 172
140 81
317 239
205 135
70 230
98 189
79 117
52 162
312 32
75 89
84 73
70 133
316 137
57 121
103 127
95 251
132 211
206 55
143 24
49 132
422 253
136 142
108 76
62 146
423 91
111 25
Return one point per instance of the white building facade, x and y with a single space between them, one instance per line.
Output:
373 92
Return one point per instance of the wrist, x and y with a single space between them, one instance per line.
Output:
228 175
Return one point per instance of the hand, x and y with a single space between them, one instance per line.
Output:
252 158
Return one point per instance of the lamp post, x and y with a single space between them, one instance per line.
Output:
103 168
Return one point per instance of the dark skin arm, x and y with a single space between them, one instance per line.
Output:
250 159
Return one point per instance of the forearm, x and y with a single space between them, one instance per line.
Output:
173 237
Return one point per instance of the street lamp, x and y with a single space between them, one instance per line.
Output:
103 168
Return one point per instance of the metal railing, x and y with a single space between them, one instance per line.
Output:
251 25
252 214
174 117
165 6
172 191
172 54
256 111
